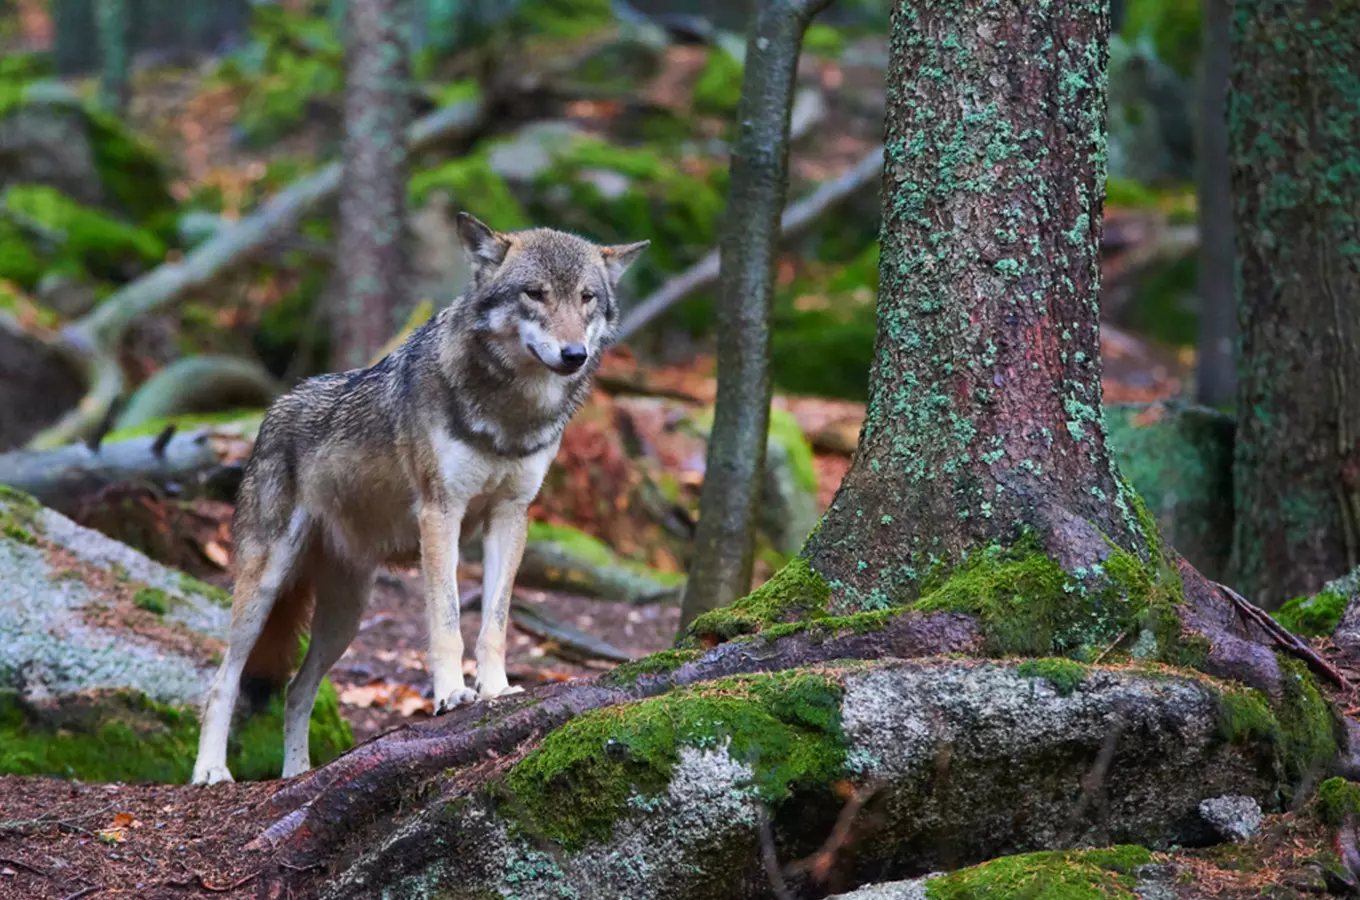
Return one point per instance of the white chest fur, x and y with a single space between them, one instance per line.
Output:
471 474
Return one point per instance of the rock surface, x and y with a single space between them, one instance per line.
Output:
1234 819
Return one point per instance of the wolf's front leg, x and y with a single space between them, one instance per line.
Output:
440 524
506 527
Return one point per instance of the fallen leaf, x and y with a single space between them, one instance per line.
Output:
217 553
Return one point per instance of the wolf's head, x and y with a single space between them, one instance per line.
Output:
544 297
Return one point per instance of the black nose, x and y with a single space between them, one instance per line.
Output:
574 356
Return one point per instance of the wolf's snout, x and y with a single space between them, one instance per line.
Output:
574 356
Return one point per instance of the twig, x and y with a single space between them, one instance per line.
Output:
1286 638
818 865
105 425
223 889
1115 643
23 865
158 448
796 220
84 892
770 857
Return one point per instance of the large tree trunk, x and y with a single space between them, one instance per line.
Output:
725 542
1295 123
984 411
115 54
372 266
1216 371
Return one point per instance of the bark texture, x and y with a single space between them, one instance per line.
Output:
372 265
1216 373
115 54
984 399
725 542
1295 127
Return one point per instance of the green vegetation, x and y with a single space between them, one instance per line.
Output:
247 421
124 736
91 240
1336 799
1064 674
1315 615
152 600
793 594
18 515
1072 875
1301 728
591 771
656 664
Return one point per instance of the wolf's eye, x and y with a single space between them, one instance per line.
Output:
587 296
536 294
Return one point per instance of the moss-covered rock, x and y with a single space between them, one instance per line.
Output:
562 557
1179 459
1336 799
89 240
1322 614
1075 875
105 657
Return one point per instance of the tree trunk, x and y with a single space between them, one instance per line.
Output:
984 415
115 55
1216 373
1294 118
373 265
725 543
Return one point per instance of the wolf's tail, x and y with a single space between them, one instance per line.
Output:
275 653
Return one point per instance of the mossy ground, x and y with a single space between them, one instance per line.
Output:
1315 615
1064 674
796 593
123 736
590 772
1075 875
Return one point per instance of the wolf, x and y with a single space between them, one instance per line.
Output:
392 464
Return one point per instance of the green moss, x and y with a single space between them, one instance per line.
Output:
795 593
718 89
131 174
92 240
588 549
191 585
18 515
1073 875
243 420
591 771
824 41
152 600
1312 616
123 736
19 262
1336 799
1301 728
655 664
472 185
1064 674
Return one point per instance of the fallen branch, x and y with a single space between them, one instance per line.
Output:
200 384
94 339
797 219
1292 643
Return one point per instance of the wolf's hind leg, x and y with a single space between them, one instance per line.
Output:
260 580
506 527
341 595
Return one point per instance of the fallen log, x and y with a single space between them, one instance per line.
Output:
94 339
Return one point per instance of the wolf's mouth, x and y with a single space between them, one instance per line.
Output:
559 369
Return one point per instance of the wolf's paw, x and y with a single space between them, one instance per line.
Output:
211 775
460 697
506 691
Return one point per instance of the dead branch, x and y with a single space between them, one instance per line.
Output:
200 384
797 220
1292 644
94 338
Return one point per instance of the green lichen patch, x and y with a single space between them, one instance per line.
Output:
1336 799
795 593
124 736
18 515
1075 875
1315 615
588 773
1064 674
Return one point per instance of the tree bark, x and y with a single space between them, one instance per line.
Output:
115 52
1294 118
1216 369
984 415
372 266
725 543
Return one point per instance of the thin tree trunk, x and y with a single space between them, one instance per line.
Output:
115 52
1216 377
984 414
1294 117
725 543
373 249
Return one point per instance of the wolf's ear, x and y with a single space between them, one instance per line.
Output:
486 248
618 258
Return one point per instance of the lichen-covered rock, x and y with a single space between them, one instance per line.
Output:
661 798
1233 818
915 889
1179 459
105 656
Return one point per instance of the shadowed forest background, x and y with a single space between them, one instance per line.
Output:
1128 646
